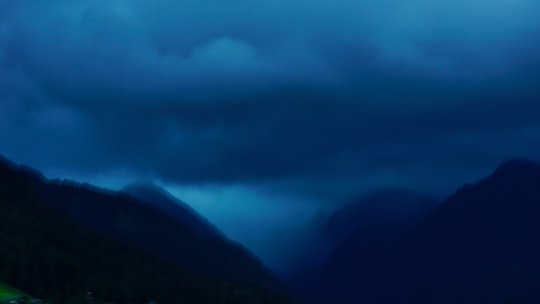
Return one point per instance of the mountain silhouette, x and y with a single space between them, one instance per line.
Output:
60 239
480 246
379 209
156 195
366 226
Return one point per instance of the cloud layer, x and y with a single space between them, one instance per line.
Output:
323 98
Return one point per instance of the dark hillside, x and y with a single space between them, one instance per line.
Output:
480 246
51 255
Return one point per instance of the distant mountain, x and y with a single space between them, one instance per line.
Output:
369 224
480 246
59 239
378 210
181 211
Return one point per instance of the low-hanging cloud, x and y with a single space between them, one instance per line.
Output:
325 95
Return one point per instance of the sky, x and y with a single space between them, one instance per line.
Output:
270 109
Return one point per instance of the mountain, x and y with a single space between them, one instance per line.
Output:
480 246
376 222
153 194
368 225
130 220
378 210
59 239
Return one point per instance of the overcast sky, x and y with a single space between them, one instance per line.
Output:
232 102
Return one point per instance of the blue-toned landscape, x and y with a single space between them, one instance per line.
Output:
270 151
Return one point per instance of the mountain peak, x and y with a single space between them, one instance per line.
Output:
518 167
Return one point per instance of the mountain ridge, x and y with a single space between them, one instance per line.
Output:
158 196
479 246
127 225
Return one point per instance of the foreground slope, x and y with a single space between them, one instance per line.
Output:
8 292
59 240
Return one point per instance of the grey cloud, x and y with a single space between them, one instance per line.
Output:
288 93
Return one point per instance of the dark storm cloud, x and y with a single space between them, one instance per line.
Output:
296 93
